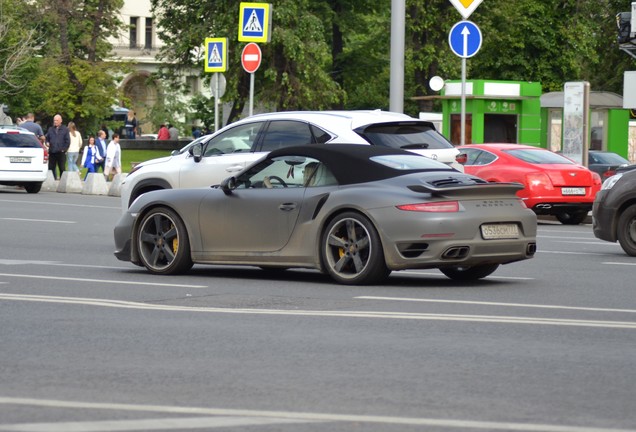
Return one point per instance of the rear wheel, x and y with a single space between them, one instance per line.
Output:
572 218
626 232
472 273
33 187
351 250
162 242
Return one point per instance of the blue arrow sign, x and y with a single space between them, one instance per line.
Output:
465 39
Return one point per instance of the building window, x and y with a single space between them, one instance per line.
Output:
148 33
134 21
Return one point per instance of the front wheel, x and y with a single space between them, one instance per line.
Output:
572 218
466 274
162 242
351 250
626 232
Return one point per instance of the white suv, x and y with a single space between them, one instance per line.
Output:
23 160
232 148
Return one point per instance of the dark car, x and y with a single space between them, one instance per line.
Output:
614 211
354 212
605 163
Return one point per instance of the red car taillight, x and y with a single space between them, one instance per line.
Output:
461 158
596 179
433 207
539 180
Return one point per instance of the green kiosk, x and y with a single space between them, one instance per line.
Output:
518 112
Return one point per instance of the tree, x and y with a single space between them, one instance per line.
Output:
71 76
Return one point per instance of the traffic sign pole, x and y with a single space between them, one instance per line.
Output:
251 61
465 40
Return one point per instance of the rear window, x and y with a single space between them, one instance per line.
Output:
17 140
539 156
607 158
405 135
408 162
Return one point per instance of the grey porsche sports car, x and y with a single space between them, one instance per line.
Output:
353 212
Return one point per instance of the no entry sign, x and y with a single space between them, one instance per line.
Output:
251 57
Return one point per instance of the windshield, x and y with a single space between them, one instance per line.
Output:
539 156
405 135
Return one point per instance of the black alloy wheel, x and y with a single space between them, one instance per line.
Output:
162 242
351 250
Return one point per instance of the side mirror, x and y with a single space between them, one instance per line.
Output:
228 185
196 151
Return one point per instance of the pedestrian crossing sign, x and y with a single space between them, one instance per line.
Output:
255 22
216 54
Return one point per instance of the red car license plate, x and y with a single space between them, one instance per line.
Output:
573 191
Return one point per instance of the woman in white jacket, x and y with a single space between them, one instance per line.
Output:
113 158
74 148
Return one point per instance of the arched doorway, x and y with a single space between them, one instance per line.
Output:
141 92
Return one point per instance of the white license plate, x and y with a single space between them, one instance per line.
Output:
573 191
499 231
19 159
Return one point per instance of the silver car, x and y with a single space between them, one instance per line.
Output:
353 212
237 145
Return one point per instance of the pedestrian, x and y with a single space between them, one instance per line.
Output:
74 148
100 143
90 156
58 140
174 133
30 125
113 158
130 125
196 132
163 133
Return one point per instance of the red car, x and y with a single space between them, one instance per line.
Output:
554 185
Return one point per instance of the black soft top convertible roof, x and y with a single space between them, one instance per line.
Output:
350 163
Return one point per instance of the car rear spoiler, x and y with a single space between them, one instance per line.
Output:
473 190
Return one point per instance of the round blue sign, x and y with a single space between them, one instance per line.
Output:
465 39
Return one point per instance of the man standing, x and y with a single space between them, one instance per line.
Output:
100 143
30 125
58 139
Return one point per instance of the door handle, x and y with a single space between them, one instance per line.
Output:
234 168
287 206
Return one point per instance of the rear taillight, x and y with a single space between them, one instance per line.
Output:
608 173
596 179
461 158
432 207
539 180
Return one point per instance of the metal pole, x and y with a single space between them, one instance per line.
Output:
462 141
251 94
216 102
396 97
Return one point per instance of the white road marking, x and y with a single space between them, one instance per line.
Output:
620 263
104 281
40 203
333 314
177 423
596 243
39 220
517 305
308 417
541 251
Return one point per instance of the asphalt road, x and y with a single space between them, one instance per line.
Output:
89 343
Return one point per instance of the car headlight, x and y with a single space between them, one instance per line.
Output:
610 182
